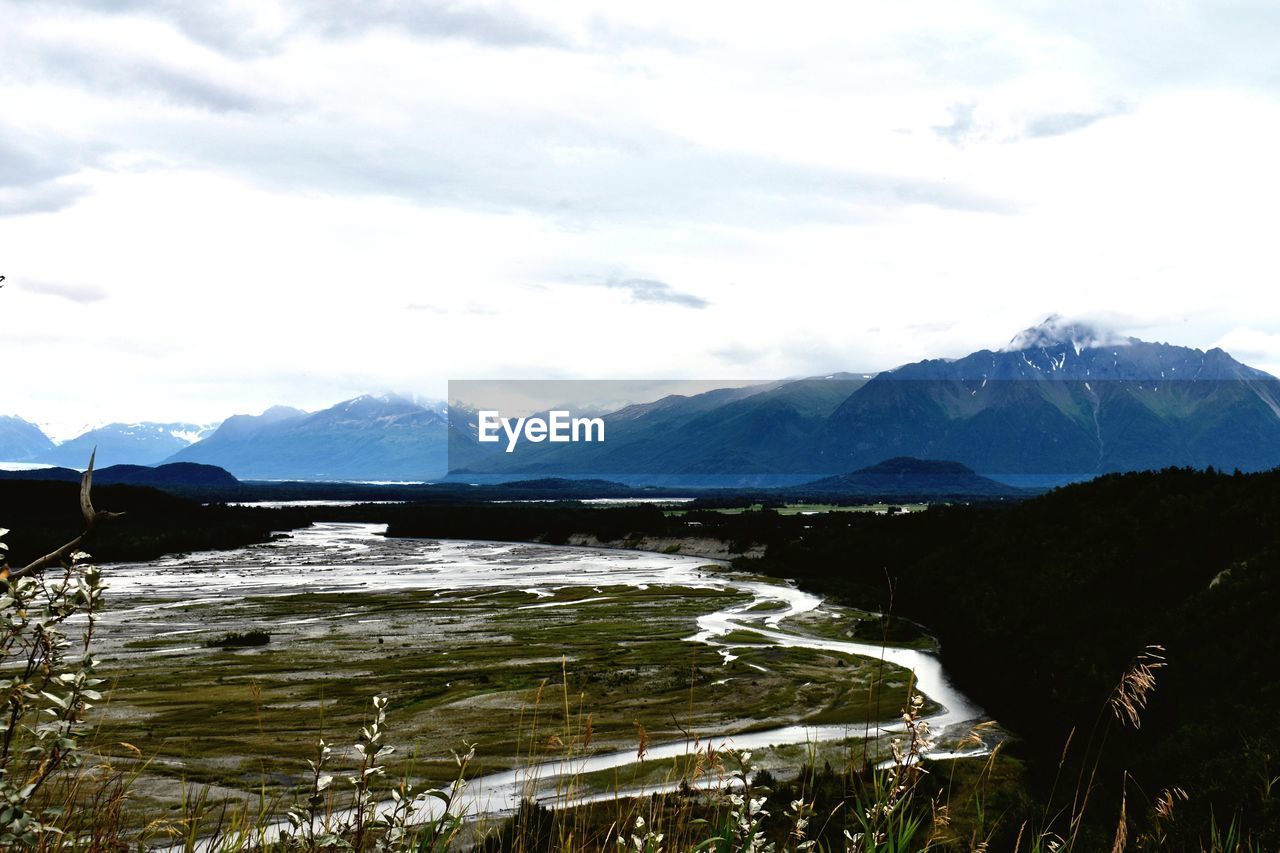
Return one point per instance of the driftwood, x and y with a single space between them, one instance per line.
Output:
91 518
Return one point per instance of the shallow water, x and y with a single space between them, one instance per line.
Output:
357 557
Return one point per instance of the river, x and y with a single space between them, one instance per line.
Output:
350 558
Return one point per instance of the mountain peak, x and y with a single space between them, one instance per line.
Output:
279 413
1056 331
374 404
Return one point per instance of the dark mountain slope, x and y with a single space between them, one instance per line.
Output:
904 477
1064 400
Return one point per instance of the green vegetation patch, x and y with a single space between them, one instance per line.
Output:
518 673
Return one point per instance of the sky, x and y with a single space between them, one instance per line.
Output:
211 208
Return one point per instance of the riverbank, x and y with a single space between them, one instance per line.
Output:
609 637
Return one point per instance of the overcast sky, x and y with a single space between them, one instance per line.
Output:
210 208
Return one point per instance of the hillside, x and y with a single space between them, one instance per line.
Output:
172 474
905 477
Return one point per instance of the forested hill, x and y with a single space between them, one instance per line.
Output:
42 515
1040 607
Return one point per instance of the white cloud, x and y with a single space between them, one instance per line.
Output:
1258 348
65 290
292 203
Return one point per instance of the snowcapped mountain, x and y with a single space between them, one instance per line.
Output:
372 437
21 441
1062 350
1063 400
1057 331
127 444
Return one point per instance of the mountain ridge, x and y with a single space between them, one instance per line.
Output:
118 443
171 474
1061 401
370 437
907 477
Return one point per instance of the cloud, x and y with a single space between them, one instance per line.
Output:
1059 124
82 293
651 290
517 161
965 127
269 154
26 163
144 62
514 143
470 308
221 26
31 176
182 86
961 127
1083 332
738 354
43 198
1252 346
497 25
246 32
935 326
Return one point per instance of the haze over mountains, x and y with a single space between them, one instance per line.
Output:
1061 401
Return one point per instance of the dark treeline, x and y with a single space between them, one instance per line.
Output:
1040 606
43 515
553 523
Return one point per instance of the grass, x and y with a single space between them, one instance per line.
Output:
851 624
210 715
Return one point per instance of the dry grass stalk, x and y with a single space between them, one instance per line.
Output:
1167 800
1129 698
1122 825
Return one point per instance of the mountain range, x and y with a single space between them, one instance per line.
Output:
1061 401
127 444
374 437
145 443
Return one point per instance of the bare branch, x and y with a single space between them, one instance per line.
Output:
91 518
86 483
